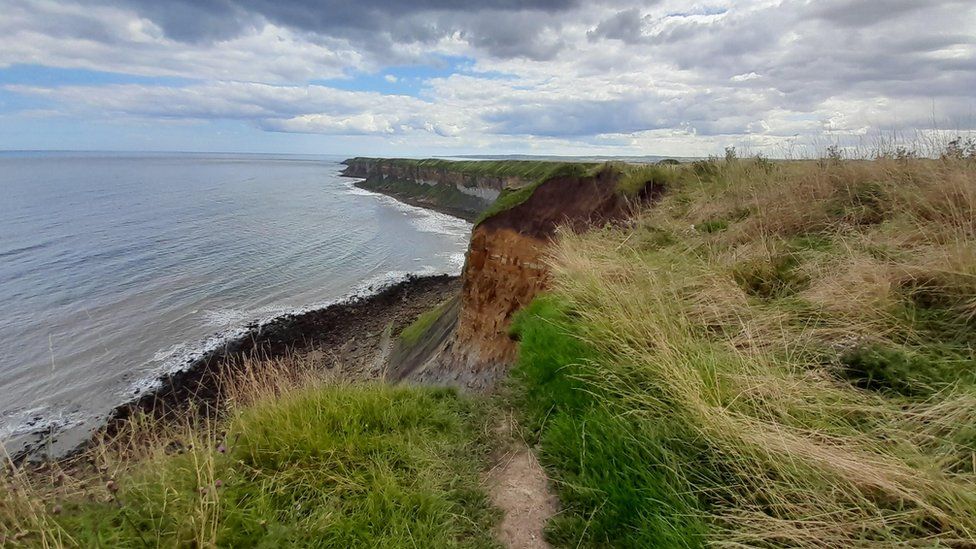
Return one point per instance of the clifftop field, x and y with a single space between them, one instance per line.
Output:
776 354
768 354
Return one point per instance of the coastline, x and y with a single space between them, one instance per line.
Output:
347 333
415 201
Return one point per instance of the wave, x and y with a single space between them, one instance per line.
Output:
235 323
423 219
232 324
40 419
183 355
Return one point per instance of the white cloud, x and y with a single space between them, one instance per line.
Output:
618 76
744 77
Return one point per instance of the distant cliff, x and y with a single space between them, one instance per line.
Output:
461 188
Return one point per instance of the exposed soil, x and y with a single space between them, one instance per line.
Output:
518 486
578 203
506 269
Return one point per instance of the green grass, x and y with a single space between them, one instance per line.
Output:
620 480
776 354
343 466
913 371
529 170
509 199
413 332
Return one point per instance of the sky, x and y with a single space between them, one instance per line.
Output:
450 77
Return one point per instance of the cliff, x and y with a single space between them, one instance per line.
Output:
715 369
505 269
461 188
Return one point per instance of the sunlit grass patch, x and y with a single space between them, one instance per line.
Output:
334 466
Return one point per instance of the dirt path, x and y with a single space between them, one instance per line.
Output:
519 487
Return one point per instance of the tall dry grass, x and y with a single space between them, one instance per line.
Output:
730 306
34 495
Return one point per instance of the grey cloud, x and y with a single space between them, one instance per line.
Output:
372 25
710 112
808 52
624 25
193 21
513 35
864 13
757 69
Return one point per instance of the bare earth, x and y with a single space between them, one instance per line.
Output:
519 487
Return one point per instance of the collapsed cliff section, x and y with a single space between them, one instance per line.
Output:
461 188
505 269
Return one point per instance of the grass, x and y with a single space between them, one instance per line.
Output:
321 464
446 197
528 170
635 177
511 198
776 354
416 329
619 481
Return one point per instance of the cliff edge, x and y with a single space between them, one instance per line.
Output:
468 343
461 188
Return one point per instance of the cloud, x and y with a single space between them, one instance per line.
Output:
502 27
545 73
105 38
626 26
298 109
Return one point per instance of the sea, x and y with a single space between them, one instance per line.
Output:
118 268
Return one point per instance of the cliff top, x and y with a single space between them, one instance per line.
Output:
523 169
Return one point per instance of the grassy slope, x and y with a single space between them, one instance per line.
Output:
777 354
446 198
524 169
416 329
534 172
333 466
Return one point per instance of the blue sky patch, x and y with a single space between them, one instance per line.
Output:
406 79
42 76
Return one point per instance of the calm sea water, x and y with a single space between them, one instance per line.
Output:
116 268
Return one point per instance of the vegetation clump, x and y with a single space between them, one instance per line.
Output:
310 464
776 354
416 329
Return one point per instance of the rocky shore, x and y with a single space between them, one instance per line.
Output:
348 335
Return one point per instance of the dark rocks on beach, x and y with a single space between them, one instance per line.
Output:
329 330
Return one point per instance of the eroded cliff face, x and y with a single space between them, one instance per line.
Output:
441 188
486 186
505 270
